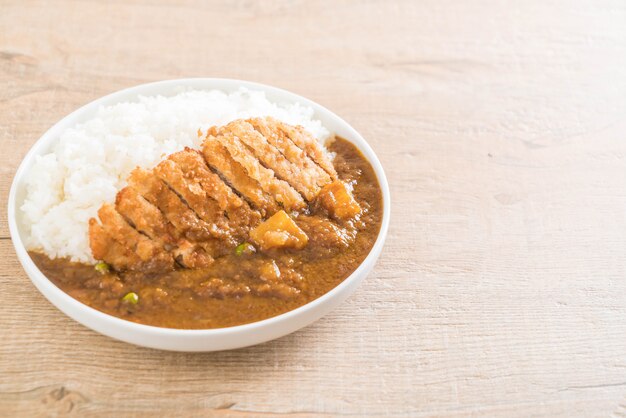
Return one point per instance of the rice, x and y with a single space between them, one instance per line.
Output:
91 161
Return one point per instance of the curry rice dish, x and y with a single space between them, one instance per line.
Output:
257 222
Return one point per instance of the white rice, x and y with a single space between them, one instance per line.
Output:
91 161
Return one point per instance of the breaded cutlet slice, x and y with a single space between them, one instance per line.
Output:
285 195
173 208
195 197
289 149
152 255
186 227
104 247
217 156
240 215
144 216
305 181
303 140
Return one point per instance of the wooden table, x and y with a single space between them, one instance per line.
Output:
501 125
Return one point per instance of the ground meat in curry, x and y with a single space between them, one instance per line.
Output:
242 284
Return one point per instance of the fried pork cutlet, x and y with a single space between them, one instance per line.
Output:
197 205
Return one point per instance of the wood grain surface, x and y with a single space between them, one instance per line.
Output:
501 125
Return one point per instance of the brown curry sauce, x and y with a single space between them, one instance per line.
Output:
236 289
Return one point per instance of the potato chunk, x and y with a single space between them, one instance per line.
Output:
337 199
279 231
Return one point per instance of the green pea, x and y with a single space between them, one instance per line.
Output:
245 248
131 298
102 267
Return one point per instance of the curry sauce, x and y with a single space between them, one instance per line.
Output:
246 284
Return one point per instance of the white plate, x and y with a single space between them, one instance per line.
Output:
178 339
